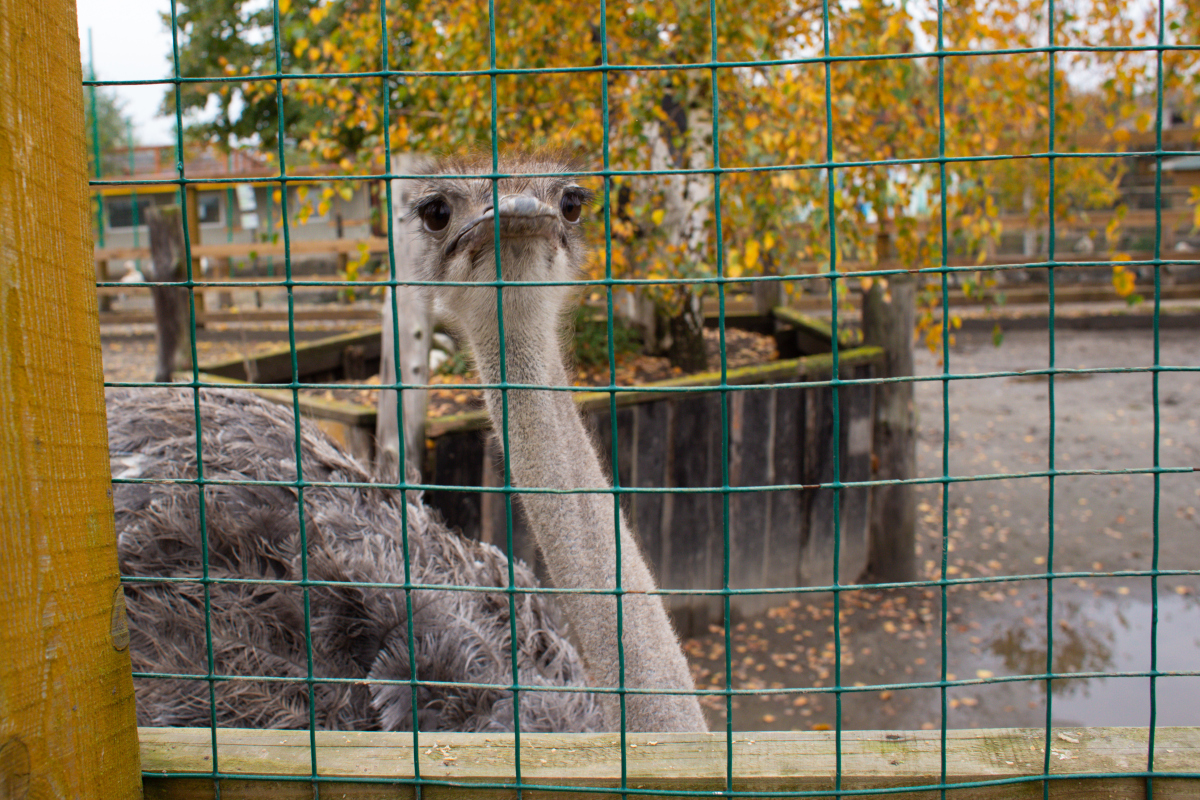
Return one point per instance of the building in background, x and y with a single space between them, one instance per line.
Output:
236 211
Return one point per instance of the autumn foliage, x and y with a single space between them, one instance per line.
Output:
931 152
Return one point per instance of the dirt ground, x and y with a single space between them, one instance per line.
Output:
1102 524
129 351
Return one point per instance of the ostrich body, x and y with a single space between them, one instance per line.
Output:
354 534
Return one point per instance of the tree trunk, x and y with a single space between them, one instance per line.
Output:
682 335
686 200
414 332
889 312
172 317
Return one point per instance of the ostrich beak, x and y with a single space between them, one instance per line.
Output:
513 208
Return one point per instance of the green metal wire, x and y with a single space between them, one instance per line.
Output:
96 166
835 438
836 385
414 678
945 542
202 518
805 167
937 53
1154 386
1051 196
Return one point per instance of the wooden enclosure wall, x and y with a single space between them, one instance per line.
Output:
778 538
67 726
995 764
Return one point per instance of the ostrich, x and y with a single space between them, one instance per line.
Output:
355 534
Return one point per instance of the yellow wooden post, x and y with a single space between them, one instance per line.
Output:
67 726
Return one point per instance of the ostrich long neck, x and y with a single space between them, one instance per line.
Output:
549 448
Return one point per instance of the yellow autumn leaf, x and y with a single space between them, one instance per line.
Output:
1123 281
345 191
751 258
751 122
768 240
322 208
657 216
285 6
301 44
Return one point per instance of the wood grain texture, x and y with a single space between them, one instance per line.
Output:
889 318
66 696
765 762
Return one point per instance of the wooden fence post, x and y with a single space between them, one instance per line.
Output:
889 317
415 331
172 318
67 726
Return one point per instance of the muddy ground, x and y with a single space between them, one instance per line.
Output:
1102 524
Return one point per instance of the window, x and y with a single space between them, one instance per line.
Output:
121 211
210 209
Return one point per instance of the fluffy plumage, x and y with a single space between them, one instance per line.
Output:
353 534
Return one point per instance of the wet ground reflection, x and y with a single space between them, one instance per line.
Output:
1111 635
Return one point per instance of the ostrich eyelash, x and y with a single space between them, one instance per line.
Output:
584 196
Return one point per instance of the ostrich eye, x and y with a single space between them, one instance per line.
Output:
571 204
435 215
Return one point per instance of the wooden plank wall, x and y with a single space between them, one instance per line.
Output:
778 538
1000 763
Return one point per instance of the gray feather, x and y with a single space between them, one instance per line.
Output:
352 535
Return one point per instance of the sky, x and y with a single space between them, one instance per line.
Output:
130 42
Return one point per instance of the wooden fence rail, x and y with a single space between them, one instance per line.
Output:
375 244
1085 763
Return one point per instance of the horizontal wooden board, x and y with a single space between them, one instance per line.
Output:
808 368
376 244
310 314
1012 759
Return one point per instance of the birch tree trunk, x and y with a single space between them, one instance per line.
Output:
413 332
686 199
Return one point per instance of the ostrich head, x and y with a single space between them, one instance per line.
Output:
538 213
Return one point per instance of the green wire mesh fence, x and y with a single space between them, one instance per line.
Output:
828 169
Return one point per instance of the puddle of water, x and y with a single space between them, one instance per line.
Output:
1109 634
